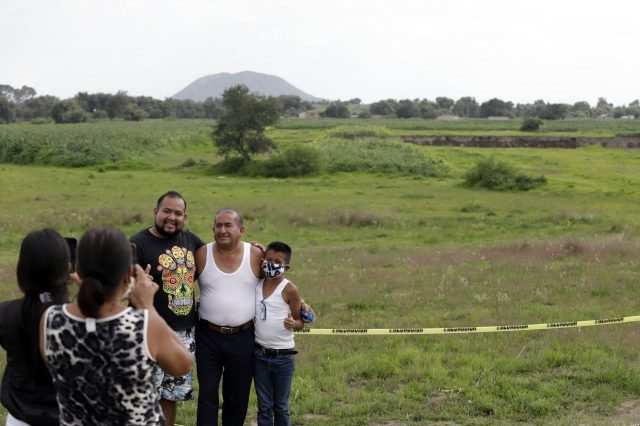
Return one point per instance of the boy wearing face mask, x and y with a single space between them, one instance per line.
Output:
277 315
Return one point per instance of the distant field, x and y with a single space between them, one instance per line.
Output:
383 249
478 126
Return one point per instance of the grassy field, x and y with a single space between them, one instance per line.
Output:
383 250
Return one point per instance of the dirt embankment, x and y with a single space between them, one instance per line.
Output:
521 141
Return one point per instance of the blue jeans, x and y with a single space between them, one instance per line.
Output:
272 378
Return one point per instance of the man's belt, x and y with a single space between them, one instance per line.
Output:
275 352
228 330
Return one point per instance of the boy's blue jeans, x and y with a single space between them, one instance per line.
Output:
272 378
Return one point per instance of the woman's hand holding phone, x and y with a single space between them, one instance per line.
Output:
143 289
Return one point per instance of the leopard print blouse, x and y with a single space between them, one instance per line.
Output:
103 375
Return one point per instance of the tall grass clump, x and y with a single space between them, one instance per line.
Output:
500 176
356 132
379 156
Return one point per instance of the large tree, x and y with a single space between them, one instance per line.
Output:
241 123
6 110
444 102
467 107
336 110
116 104
17 96
555 111
383 107
68 111
406 109
495 107
38 107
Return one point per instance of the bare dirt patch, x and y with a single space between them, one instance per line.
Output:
316 417
628 414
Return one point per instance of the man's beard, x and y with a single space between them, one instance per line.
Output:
166 234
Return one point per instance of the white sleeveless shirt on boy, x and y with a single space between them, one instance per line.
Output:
270 331
227 299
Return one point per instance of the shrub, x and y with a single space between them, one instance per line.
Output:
298 161
531 124
525 182
500 176
230 165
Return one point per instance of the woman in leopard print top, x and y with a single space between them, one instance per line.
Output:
100 353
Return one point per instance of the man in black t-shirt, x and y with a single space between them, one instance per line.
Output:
169 251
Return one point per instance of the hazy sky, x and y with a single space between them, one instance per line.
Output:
557 50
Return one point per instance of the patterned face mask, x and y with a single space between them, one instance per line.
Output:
273 270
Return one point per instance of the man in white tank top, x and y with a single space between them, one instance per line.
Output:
230 271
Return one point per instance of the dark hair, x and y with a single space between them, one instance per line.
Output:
171 194
280 248
42 272
239 219
104 257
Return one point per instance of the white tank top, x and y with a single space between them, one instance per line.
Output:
227 299
270 331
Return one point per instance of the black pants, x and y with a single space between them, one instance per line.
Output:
226 356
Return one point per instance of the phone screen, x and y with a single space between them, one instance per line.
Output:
134 254
73 246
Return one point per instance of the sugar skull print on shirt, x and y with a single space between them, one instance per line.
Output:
178 270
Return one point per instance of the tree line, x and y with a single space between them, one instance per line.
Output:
23 104
468 107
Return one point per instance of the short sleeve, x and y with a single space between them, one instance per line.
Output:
197 241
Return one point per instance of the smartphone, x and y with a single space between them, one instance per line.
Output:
134 254
73 246
134 262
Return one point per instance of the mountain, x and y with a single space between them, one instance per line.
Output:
264 84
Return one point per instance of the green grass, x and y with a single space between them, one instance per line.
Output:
386 250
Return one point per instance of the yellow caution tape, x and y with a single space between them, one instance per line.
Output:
460 330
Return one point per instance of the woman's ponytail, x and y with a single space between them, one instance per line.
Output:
42 272
91 296
103 260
